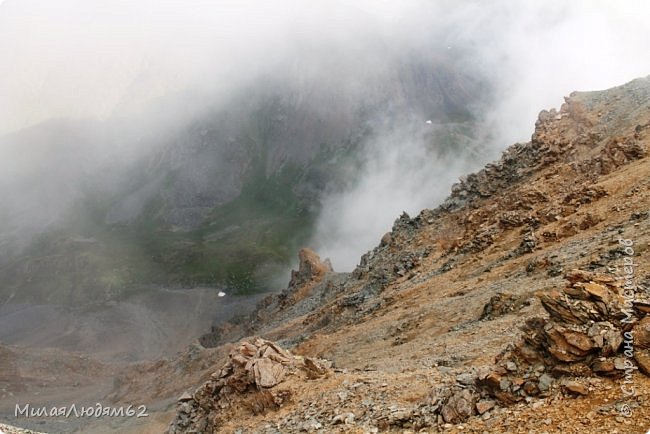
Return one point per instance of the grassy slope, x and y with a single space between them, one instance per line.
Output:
263 225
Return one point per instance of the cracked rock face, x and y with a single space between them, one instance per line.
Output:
459 407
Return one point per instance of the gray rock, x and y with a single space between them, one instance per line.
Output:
466 379
545 382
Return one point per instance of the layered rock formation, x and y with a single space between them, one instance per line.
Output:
590 330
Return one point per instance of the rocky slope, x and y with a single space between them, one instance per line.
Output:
518 305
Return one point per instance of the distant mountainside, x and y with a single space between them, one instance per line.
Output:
228 196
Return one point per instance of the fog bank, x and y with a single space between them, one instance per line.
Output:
531 54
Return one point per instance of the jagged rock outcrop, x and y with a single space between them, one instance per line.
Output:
248 380
589 322
310 267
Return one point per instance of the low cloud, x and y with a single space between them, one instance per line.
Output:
531 55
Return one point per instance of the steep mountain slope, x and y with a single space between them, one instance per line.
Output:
506 309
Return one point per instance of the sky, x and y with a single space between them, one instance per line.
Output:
72 58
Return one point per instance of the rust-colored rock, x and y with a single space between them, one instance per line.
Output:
576 388
642 357
560 309
605 367
310 267
597 291
575 276
641 332
493 380
459 407
566 345
485 405
530 388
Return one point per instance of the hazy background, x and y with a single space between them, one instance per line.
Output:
531 54
126 74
